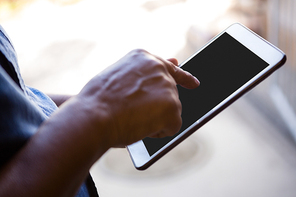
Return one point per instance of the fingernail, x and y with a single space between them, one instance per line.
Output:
196 80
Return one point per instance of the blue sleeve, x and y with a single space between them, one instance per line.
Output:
22 109
19 117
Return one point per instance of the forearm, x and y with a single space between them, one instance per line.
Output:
56 160
135 98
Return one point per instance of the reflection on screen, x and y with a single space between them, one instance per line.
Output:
222 67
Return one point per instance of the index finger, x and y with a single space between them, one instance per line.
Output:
181 76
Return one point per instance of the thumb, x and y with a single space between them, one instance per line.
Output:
174 61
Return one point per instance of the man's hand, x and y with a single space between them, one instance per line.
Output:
134 98
137 97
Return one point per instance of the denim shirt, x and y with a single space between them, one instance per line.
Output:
22 109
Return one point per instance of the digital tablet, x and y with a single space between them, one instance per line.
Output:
228 66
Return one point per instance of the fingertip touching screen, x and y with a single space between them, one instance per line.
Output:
222 67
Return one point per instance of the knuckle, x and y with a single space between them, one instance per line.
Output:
174 126
178 124
139 51
159 66
173 105
135 54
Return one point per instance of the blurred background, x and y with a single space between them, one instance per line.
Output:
247 150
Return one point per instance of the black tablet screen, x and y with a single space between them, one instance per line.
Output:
222 67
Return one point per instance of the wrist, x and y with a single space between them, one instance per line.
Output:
72 124
59 99
90 120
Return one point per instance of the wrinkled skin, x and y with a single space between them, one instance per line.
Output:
134 98
139 96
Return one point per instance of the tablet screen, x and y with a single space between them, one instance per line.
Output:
222 68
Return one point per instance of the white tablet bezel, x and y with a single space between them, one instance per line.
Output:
253 42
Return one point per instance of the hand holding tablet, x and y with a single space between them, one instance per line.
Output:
231 64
